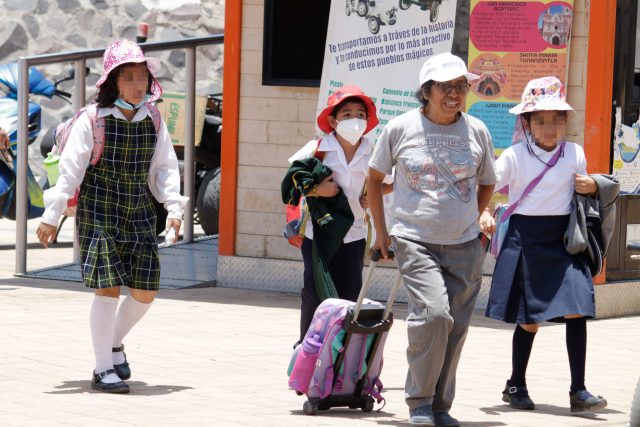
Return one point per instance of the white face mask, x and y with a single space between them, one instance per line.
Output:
351 129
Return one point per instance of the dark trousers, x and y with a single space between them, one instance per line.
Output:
345 270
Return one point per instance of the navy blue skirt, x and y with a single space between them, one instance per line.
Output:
535 278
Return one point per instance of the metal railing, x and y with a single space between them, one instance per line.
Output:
79 98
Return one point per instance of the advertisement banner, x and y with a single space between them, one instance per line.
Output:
510 43
173 111
380 46
626 163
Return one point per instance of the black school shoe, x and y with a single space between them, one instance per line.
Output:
582 400
517 397
122 370
119 387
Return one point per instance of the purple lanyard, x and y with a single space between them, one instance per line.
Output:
536 180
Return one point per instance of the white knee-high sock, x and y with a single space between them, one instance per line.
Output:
129 313
102 322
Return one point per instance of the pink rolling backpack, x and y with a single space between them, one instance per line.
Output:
341 357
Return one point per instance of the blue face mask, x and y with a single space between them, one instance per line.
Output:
127 106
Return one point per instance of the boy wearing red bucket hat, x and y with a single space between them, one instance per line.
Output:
349 115
116 218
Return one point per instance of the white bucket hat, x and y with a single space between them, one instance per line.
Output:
444 67
543 94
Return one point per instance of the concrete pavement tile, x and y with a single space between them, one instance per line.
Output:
218 357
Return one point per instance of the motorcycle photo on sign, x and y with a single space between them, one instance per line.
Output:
433 6
373 11
379 12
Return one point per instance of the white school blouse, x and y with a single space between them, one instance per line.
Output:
350 177
517 167
164 176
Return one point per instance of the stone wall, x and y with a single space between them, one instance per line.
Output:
32 27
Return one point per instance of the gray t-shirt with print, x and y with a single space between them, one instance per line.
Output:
437 168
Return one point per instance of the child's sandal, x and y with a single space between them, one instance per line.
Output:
98 384
122 370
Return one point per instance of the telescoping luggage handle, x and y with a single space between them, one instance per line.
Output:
375 257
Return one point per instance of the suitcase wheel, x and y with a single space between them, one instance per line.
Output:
368 405
311 408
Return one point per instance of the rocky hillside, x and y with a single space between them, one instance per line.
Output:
31 27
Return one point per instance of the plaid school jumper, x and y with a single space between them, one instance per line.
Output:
115 217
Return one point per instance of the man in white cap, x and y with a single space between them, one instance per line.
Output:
444 178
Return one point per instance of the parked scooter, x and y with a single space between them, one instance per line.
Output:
207 169
38 85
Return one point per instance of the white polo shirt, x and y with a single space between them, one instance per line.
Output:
517 167
350 177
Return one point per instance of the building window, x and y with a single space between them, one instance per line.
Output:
295 36
294 42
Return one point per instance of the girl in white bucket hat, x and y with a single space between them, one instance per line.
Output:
118 154
535 278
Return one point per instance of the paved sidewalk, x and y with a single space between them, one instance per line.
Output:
217 357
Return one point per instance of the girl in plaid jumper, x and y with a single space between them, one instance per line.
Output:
115 216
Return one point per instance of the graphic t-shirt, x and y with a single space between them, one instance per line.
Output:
437 168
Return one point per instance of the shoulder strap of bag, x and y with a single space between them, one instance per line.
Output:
156 117
98 126
317 153
512 207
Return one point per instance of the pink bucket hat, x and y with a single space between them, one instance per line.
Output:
127 52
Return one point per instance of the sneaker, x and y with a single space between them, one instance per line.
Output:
517 397
443 419
582 400
421 416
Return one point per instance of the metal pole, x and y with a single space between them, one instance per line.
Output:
79 99
189 143
80 56
22 165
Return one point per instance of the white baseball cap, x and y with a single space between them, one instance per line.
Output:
444 67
